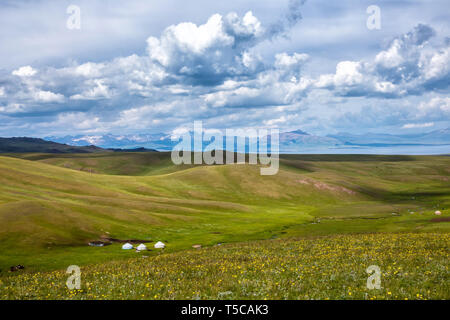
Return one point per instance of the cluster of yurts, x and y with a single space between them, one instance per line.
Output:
143 247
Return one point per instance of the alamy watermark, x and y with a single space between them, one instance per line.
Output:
374 279
374 19
230 146
74 20
74 280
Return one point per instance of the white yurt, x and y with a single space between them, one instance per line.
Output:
127 246
141 247
160 245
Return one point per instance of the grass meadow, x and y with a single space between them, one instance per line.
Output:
413 266
308 232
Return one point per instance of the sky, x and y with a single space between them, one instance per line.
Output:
96 67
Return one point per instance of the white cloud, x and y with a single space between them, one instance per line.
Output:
208 52
348 73
248 26
438 65
13 108
270 89
409 66
390 58
97 90
278 121
437 105
26 71
89 69
283 60
385 87
187 37
231 98
350 78
418 125
79 121
47 96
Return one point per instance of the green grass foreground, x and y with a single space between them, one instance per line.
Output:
413 266
51 206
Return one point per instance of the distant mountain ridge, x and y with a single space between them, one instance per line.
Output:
297 141
292 141
157 141
25 144
161 141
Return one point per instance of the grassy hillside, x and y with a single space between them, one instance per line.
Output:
49 213
115 163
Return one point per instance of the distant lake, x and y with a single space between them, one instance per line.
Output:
401 149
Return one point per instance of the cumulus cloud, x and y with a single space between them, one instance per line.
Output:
436 69
97 89
282 84
220 49
348 73
25 71
289 66
208 53
89 69
214 64
405 47
409 66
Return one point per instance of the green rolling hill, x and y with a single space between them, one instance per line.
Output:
51 206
